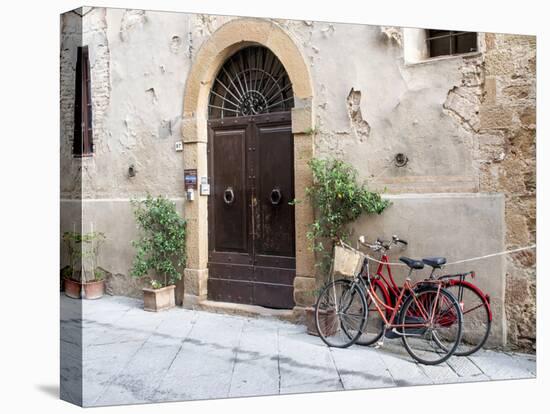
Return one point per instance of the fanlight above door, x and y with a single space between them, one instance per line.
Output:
251 82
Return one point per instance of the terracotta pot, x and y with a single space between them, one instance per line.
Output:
72 288
155 300
326 320
94 290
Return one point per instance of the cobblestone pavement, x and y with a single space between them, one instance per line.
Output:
132 356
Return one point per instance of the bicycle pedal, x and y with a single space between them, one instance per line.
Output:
379 344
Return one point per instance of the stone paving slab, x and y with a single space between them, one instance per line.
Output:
362 370
133 356
306 365
204 366
499 365
256 367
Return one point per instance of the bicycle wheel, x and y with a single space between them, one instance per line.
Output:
424 340
340 313
374 325
476 320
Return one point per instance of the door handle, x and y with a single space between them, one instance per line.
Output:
275 197
228 196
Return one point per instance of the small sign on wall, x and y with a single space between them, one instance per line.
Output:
190 179
205 187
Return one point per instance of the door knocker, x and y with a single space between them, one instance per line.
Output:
228 196
275 196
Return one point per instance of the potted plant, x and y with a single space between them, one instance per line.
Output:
160 251
71 286
82 277
95 288
339 200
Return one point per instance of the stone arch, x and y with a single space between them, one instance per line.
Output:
225 41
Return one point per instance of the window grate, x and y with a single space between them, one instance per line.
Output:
449 42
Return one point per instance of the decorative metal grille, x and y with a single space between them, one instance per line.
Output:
253 81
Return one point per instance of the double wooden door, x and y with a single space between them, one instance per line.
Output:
250 211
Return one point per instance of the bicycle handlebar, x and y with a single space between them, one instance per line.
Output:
381 244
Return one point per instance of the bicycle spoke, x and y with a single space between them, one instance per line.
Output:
340 314
441 338
476 315
374 326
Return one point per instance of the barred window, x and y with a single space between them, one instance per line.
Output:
83 134
449 42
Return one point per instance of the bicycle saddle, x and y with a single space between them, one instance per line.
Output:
412 263
435 262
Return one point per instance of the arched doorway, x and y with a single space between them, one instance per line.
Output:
227 40
251 257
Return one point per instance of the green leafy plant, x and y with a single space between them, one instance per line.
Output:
83 250
155 284
161 248
339 200
99 274
67 272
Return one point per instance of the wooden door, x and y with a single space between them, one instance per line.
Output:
250 221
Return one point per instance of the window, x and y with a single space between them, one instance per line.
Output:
83 134
448 42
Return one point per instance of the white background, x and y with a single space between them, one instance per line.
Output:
29 212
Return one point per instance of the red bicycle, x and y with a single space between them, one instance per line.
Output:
475 304
426 317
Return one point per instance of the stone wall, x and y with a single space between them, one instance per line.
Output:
506 157
496 101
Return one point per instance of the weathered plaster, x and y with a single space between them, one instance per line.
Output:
138 106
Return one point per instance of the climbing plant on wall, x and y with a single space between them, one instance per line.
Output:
339 200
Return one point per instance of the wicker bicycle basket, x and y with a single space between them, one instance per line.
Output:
347 261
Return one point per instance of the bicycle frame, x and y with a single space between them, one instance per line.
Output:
382 308
387 285
390 289
390 281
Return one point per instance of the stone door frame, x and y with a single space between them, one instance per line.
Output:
225 41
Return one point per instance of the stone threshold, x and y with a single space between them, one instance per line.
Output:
192 302
255 311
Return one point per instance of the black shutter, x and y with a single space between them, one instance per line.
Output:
83 133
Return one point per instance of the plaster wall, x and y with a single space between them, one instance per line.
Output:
140 60
113 217
370 106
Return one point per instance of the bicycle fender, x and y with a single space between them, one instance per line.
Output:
478 291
